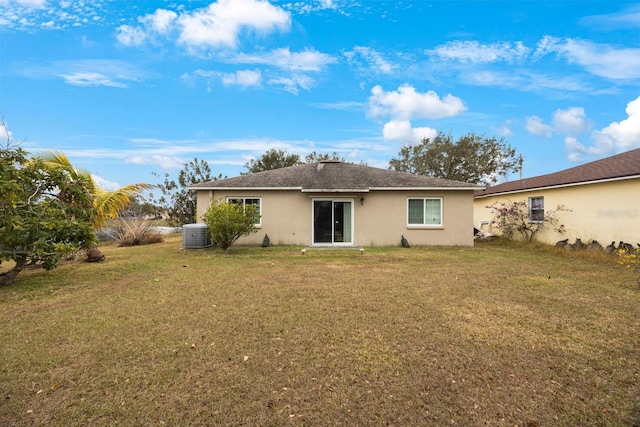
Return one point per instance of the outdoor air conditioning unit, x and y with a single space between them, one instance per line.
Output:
196 236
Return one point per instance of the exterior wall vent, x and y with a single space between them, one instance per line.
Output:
196 236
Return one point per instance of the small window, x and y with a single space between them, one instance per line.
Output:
536 209
424 212
244 201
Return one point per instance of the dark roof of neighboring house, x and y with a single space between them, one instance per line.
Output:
620 166
333 176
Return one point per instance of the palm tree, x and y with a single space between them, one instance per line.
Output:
106 204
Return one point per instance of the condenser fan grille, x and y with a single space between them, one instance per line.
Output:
195 236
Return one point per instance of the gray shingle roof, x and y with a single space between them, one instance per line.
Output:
333 176
620 166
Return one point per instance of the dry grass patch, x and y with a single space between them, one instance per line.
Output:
492 335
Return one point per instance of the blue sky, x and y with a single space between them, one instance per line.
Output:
129 88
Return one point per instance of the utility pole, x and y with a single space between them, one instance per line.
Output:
520 163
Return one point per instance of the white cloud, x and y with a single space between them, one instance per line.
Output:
340 105
401 130
90 78
36 4
525 80
161 21
505 130
217 26
575 149
615 137
165 162
625 134
6 136
535 125
560 83
510 79
398 130
106 184
191 78
293 83
295 63
570 121
130 36
302 7
244 78
307 60
627 18
327 4
475 52
250 78
290 74
33 15
372 58
220 23
599 59
86 72
406 103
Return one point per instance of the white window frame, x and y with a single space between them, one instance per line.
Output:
424 207
536 208
244 202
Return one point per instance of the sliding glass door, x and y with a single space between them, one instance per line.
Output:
332 222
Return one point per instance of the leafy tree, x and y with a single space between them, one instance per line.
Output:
177 200
44 212
107 204
473 158
513 217
276 159
272 159
228 221
140 207
315 157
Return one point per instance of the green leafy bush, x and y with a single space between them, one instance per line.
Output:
228 222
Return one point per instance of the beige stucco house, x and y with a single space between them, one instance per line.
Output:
338 204
603 196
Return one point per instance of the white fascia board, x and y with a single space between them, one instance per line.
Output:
337 190
244 188
424 188
551 187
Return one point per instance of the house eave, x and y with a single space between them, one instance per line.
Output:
334 190
424 188
551 187
245 188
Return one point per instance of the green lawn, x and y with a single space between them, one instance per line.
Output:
489 336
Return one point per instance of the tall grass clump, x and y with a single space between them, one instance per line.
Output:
134 232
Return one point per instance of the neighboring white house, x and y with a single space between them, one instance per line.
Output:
603 196
338 204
